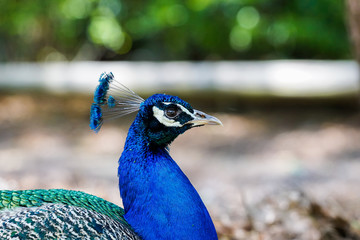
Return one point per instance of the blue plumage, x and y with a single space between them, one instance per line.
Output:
159 200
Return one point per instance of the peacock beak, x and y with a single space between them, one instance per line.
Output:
201 118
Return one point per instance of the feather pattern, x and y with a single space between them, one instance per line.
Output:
60 214
112 100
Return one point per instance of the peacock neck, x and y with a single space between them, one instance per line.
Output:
159 200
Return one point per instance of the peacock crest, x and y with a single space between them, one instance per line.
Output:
112 100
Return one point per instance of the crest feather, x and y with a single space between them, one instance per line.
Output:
112 100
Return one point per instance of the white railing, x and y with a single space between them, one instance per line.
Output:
278 78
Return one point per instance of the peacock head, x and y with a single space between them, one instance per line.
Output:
161 117
165 117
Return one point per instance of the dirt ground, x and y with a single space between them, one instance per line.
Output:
269 174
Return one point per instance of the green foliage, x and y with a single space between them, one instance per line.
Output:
172 30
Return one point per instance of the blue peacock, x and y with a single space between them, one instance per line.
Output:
159 200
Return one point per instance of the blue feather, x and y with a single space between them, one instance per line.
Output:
102 88
111 102
96 117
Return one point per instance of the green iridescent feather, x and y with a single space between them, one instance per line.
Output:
35 198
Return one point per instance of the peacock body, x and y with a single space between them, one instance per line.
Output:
159 200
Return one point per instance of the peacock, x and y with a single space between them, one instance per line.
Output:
159 200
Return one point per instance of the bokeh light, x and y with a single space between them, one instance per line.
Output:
76 9
248 17
240 39
106 31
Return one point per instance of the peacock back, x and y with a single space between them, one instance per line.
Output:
60 214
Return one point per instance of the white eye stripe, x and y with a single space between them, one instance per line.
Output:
160 116
182 108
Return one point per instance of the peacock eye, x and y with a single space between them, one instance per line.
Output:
172 112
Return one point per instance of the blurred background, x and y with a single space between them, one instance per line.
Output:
282 76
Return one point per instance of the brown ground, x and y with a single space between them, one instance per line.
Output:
270 174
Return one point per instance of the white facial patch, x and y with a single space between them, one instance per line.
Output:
185 110
160 116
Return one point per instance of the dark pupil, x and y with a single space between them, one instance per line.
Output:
171 112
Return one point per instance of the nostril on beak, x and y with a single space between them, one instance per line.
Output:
200 115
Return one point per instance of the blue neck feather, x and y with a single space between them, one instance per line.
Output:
159 200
